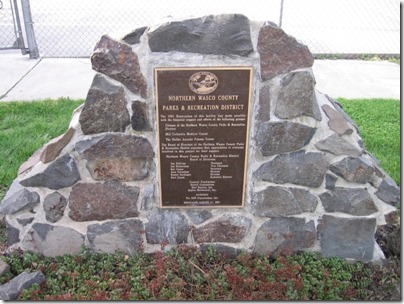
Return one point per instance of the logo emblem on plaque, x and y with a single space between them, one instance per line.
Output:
203 82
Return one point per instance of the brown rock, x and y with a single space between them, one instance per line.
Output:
105 108
118 61
117 157
264 104
230 229
55 146
280 53
336 121
30 162
98 202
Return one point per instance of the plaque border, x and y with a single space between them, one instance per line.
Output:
168 68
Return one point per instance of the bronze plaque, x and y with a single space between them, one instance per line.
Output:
203 123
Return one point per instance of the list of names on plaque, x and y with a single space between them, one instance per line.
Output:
202 119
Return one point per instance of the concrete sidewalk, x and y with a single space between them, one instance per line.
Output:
24 79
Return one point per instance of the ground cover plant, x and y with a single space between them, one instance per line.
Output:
186 273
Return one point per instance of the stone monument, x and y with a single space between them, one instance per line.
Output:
204 131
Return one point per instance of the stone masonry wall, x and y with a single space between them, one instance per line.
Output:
311 185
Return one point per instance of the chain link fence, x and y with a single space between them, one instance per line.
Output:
344 28
10 34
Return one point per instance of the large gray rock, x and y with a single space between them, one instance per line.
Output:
356 170
20 200
102 201
52 240
297 96
124 236
61 173
118 61
280 137
11 290
299 168
351 238
54 206
280 53
285 234
218 35
116 156
134 36
105 108
228 228
279 201
388 191
347 200
337 145
166 226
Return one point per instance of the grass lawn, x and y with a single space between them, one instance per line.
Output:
184 273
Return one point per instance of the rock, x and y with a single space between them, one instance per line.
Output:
297 96
4 268
279 201
330 181
264 104
336 121
25 221
228 228
351 238
118 61
217 35
338 146
54 206
117 157
11 290
55 146
299 168
225 251
148 198
13 234
280 53
32 161
280 137
102 201
134 37
21 200
166 226
356 170
139 120
61 173
105 108
199 216
52 240
338 107
285 234
124 236
351 201
387 191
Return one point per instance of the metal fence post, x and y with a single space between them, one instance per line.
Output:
29 30
281 14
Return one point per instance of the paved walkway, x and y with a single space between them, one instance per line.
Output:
24 79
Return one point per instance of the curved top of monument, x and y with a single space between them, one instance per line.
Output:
228 35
